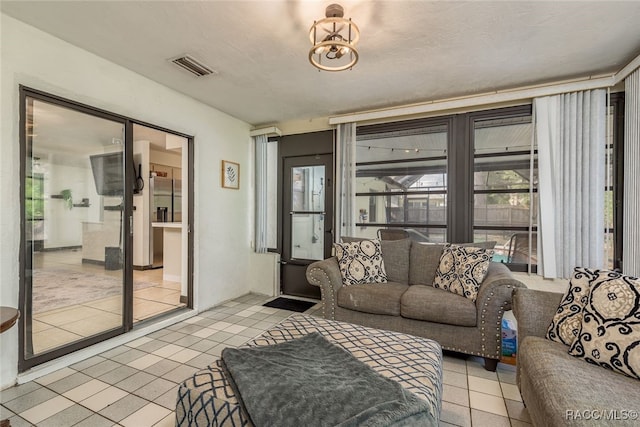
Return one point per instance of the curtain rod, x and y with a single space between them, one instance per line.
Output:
477 100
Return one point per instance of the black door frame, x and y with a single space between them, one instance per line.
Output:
25 261
304 145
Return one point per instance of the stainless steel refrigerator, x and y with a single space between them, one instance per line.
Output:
166 206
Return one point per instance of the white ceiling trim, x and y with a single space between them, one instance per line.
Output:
270 131
630 68
497 97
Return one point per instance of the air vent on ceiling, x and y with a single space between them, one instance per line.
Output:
193 66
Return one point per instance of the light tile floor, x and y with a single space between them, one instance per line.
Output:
64 325
136 384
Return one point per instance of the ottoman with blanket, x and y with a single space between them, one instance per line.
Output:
208 398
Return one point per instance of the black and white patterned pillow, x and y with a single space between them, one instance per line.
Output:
361 262
566 322
462 269
610 330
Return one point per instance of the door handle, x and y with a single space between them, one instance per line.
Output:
307 212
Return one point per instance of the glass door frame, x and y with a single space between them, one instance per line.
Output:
25 259
292 268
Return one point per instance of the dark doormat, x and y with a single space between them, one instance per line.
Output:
290 304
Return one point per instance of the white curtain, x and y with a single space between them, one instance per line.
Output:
265 196
570 135
631 202
346 180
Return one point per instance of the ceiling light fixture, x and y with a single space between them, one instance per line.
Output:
334 40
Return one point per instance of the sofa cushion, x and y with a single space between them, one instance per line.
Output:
425 258
610 331
382 298
396 259
565 325
349 239
436 305
423 263
557 382
361 262
462 269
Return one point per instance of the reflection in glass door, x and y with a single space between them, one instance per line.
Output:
73 244
307 212
307 223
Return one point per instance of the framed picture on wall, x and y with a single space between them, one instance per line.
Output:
230 175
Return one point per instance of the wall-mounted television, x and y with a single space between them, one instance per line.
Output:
108 173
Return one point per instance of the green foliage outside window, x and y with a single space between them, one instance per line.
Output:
34 197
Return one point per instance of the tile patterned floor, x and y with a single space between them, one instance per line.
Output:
63 325
136 384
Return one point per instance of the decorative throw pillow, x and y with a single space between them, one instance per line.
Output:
462 269
566 322
361 262
610 328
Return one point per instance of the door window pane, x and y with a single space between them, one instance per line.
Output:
73 196
307 236
308 189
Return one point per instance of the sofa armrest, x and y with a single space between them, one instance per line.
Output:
494 298
326 275
534 310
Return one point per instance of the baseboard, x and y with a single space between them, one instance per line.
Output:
61 248
92 261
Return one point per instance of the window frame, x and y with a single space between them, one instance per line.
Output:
446 122
459 157
616 100
502 113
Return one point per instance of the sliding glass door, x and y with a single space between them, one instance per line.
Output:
75 225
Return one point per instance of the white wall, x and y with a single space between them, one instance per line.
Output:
222 249
166 158
63 226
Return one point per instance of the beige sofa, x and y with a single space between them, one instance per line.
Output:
559 389
409 303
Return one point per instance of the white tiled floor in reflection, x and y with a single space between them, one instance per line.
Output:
53 328
136 384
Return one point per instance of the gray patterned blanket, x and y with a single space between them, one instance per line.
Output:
312 382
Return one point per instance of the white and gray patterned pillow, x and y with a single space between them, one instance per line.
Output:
361 262
610 330
462 269
566 322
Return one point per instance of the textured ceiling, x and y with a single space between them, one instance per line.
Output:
410 51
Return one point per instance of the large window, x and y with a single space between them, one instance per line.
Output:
423 176
401 177
504 186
